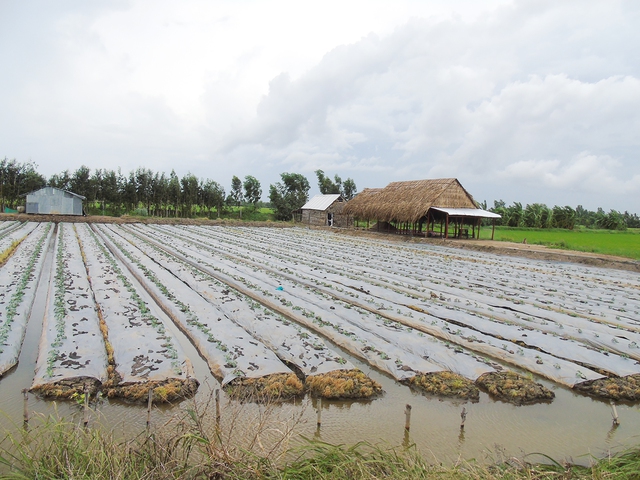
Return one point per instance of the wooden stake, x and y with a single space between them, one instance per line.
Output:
463 416
149 403
614 413
407 415
85 419
319 409
25 413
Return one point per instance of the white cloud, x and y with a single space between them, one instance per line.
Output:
496 93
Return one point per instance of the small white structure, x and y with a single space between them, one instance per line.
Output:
54 201
324 210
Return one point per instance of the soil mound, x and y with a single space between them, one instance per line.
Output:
615 388
279 386
445 384
514 388
342 384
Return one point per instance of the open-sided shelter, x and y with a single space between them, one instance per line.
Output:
410 206
54 201
325 210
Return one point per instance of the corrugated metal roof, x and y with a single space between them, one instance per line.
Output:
321 202
467 212
48 190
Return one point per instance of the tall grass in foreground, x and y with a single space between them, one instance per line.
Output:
55 449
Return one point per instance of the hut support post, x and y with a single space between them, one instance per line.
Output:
446 226
493 229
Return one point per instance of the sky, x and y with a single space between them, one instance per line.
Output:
523 101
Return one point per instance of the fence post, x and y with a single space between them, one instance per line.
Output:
407 414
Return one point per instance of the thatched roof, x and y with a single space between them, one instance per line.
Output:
408 201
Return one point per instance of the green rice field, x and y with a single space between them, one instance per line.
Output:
621 243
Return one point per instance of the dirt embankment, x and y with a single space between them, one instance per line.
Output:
538 252
126 219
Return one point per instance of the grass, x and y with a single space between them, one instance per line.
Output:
55 448
621 243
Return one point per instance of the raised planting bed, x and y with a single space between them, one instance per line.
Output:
318 314
597 338
462 316
298 347
11 237
243 365
330 300
18 285
142 353
72 357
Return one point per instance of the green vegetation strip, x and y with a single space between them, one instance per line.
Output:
60 311
60 449
621 243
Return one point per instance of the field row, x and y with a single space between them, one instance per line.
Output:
264 306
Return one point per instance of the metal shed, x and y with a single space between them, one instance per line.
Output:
54 201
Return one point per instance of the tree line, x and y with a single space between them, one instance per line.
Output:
539 215
146 192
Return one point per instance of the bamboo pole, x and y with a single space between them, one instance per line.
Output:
463 417
85 420
149 403
614 413
25 413
319 410
217 394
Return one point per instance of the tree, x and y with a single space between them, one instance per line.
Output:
213 196
175 192
326 185
515 215
235 196
129 197
80 181
16 179
189 185
252 190
288 195
564 217
613 220
61 180
144 181
349 189
159 193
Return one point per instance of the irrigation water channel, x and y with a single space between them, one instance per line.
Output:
573 427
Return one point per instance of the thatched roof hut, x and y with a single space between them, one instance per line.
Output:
409 201
418 202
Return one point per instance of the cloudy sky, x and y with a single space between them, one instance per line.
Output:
528 101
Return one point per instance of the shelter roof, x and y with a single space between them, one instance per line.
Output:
467 212
411 200
54 188
321 202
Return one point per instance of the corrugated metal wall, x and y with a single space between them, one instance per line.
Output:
53 201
